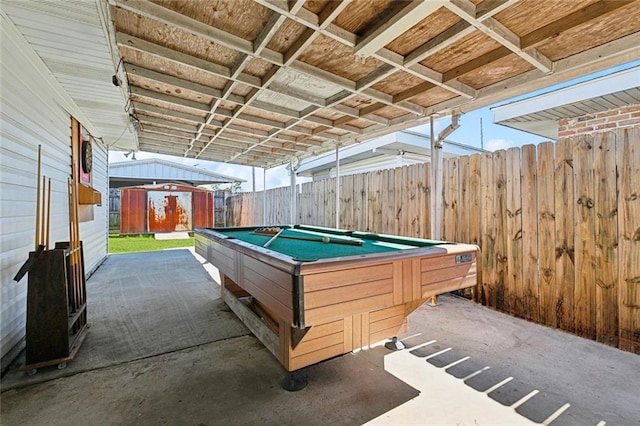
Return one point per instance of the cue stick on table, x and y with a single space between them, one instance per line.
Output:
323 240
268 243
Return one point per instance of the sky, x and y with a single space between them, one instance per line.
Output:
494 137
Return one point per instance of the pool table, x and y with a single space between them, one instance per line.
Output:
314 293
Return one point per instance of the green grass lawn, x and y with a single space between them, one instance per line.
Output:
134 243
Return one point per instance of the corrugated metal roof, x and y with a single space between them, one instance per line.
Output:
161 171
70 39
540 114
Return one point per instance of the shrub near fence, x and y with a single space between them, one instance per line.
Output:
558 225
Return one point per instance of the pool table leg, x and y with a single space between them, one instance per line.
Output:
394 344
294 381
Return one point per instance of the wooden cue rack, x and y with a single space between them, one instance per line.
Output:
56 307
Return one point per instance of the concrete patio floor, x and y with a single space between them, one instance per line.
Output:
163 349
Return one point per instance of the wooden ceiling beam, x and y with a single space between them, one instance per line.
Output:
260 120
148 74
295 5
143 106
503 35
412 91
331 12
494 55
165 53
375 76
283 89
170 99
388 30
164 131
166 123
487 9
365 115
193 26
268 31
448 37
276 109
579 17
161 138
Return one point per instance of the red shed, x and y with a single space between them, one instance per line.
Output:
165 207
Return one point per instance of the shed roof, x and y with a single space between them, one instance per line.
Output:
540 114
168 186
158 171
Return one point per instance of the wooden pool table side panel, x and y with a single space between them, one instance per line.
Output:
225 259
345 276
341 336
267 285
446 276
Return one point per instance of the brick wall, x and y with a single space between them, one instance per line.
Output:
628 116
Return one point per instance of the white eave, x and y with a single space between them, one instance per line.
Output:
540 114
70 39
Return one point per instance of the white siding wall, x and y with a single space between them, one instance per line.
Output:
36 110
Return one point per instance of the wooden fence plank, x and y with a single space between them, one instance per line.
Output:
346 202
413 213
373 203
390 202
450 188
425 203
446 215
565 252
488 241
629 239
360 198
606 238
330 202
399 202
463 202
514 280
584 238
476 213
546 234
529 198
500 230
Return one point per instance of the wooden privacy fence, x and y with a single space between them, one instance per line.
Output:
558 225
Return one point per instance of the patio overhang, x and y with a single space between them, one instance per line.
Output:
266 82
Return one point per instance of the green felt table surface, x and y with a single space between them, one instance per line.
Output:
313 250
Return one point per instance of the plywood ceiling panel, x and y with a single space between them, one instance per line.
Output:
281 75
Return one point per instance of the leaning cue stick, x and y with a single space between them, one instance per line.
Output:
38 198
72 279
76 233
81 278
48 227
268 243
44 211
